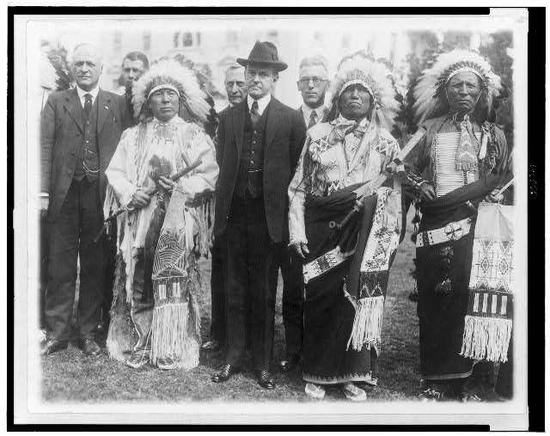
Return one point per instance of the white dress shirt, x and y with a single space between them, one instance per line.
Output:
82 93
262 103
306 111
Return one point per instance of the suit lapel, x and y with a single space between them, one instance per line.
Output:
238 125
103 109
73 107
272 121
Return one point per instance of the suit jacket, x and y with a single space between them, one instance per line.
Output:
284 137
62 134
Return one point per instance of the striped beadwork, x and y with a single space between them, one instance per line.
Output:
448 178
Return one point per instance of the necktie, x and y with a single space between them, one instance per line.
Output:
312 119
254 113
87 104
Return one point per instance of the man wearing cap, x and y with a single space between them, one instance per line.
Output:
259 143
80 129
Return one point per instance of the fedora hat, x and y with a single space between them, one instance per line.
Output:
264 53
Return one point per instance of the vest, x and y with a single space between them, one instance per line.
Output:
250 176
87 163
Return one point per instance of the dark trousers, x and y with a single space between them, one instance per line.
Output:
249 258
293 299
71 236
44 253
217 289
505 381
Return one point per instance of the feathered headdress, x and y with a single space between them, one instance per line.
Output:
171 74
430 99
376 78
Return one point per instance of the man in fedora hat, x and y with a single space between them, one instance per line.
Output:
259 140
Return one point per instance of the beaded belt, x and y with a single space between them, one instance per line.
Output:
323 263
451 232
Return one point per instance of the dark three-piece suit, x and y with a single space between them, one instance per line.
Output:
257 162
76 148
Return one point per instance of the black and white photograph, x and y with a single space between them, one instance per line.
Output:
271 219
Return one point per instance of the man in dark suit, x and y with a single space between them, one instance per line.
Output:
313 84
260 141
80 129
236 92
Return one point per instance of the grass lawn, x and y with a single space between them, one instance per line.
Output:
70 376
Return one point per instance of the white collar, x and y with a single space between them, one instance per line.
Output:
262 102
320 111
82 93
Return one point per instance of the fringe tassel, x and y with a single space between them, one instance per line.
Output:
486 338
367 325
170 337
205 224
120 337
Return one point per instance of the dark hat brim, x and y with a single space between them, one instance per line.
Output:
278 66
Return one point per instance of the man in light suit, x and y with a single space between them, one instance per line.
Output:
236 92
259 144
80 129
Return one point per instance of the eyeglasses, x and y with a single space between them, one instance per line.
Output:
304 81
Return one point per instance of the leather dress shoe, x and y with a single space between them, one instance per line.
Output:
225 373
289 364
265 380
90 347
212 345
53 345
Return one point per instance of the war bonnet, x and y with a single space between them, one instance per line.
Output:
376 78
169 74
430 100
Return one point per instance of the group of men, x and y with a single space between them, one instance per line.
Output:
259 143
80 130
